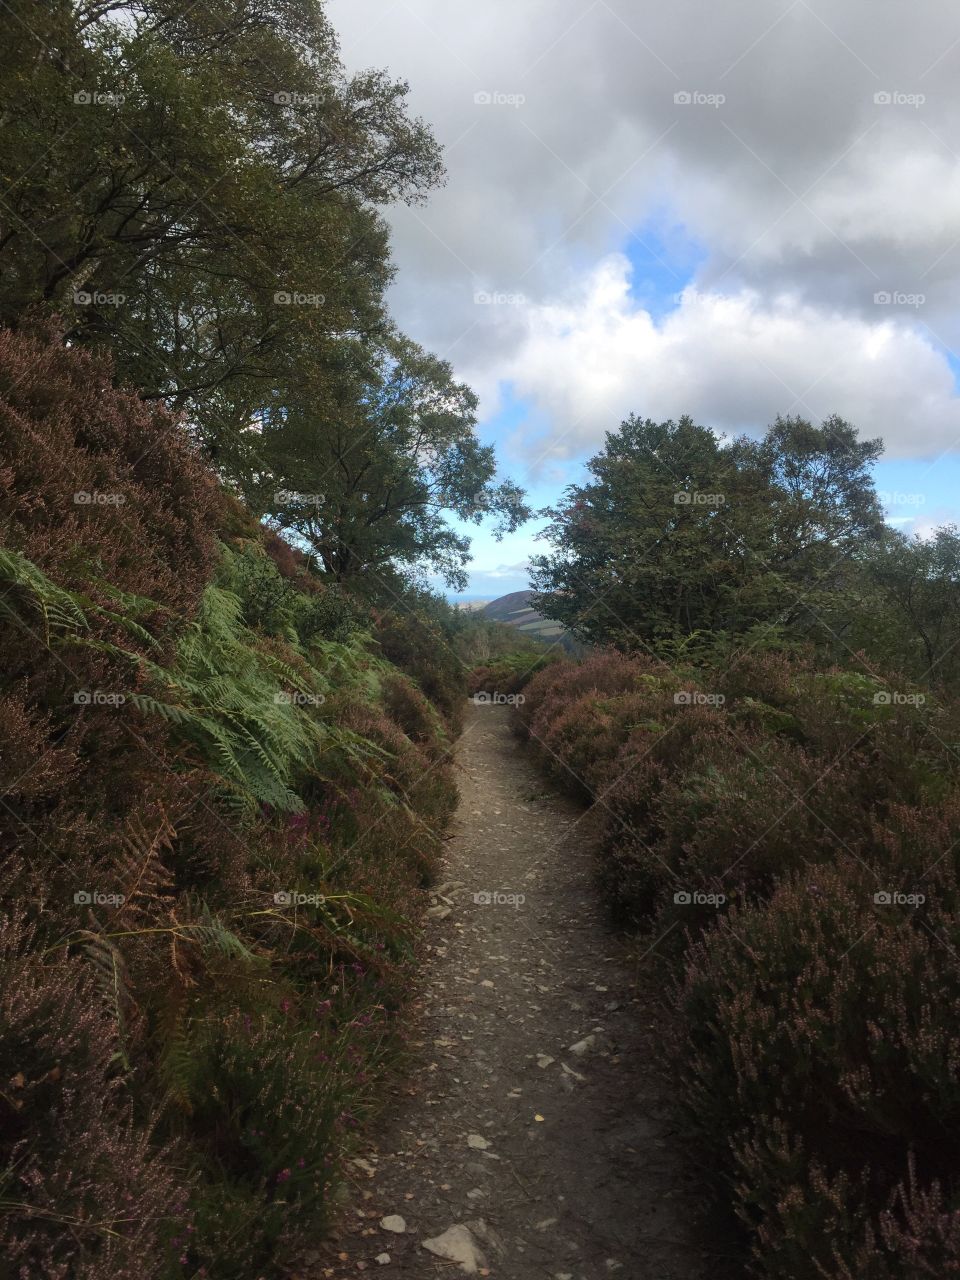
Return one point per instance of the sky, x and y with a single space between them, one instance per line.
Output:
730 211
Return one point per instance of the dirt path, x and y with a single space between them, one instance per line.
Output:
534 1122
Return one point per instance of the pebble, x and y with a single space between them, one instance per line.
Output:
584 1046
393 1222
457 1245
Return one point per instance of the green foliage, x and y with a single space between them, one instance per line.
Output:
213 990
678 535
911 605
370 492
509 673
245 104
198 190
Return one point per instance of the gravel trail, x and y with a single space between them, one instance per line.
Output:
534 1142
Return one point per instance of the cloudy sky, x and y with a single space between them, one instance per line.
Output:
723 210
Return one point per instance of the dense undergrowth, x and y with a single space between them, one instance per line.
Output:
785 838
223 782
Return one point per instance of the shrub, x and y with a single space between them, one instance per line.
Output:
816 1048
509 673
236 737
814 1035
606 673
98 486
416 644
86 1191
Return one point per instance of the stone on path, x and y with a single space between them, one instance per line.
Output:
458 1245
393 1222
477 1141
584 1046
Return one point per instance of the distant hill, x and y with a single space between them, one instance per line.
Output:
514 610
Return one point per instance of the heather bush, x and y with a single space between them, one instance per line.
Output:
96 485
606 673
84 1189
733 824
817 1047
747 819
220 802
417 644
410 711
509 673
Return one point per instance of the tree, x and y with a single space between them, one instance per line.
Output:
195 183
368 471
915 623
679 533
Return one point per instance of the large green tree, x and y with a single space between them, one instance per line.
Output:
369 474
910 605
196 183
679 532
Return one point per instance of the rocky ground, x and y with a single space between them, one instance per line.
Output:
535 1141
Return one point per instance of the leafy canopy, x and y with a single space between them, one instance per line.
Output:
679 533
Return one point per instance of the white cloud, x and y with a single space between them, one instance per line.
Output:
732 361
806 194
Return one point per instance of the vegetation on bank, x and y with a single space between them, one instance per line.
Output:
224 786
227 701
770 746
783 836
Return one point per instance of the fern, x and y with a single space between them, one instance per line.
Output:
226 693
59 608
113 982
146 880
